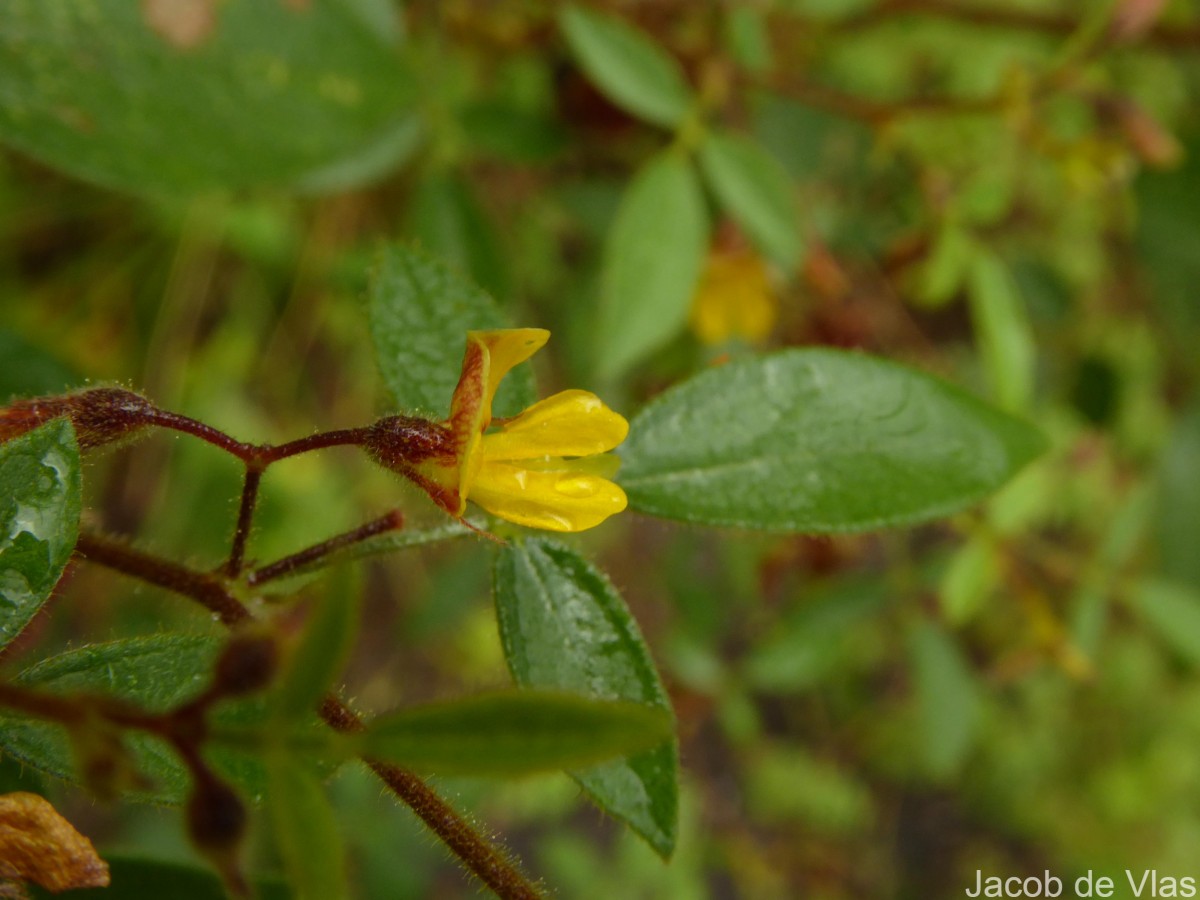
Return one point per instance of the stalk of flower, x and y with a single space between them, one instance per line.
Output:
548 467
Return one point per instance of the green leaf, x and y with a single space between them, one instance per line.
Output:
1002 329
323 649
971 575
563 625
137 97
136 878
421 311
450 224
514 733
753 187
948 700
747 38
627 66
1173 610
306 831
652 261
943 272
817 441
39 519
156 673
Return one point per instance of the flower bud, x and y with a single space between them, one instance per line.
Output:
399 442
99 415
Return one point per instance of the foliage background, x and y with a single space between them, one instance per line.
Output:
1003 194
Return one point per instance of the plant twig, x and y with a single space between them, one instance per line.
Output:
488 863
391 521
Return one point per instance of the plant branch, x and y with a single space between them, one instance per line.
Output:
237 553
480 857
392 521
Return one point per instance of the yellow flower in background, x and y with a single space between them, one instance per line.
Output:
545 468
735 299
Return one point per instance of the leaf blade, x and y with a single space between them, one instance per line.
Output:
754 188
628 67
1005 337
307 831
563 625
420 313
652 261
514 733
817 441
101 96
40 500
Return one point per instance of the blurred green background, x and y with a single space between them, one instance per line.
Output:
1004 193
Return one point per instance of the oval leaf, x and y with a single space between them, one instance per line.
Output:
631 70
39 519
563 625
306 830
817 441
421 311
514 733
652 260
754 188
147 98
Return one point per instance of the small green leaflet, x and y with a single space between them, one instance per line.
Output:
756 191
627 66
652 260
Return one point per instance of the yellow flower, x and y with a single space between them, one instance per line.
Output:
545 468
735 299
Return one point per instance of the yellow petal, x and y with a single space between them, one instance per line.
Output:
505 348
561 500
570 423
488 358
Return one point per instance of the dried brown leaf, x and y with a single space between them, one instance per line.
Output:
39 845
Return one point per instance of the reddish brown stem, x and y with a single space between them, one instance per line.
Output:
205 588
258 455
391 521
485 861
343 437
237 553
166 419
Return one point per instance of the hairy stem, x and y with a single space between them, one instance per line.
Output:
237 553
391 521
477 854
